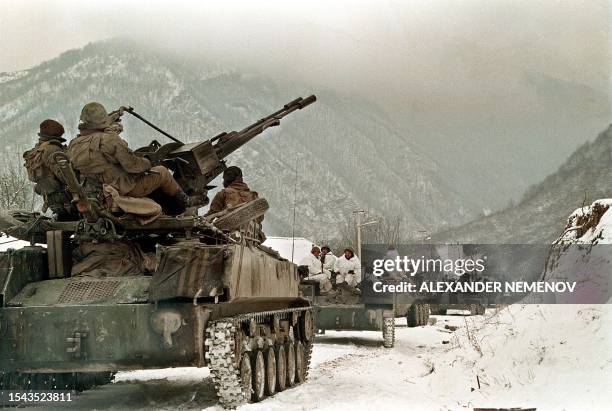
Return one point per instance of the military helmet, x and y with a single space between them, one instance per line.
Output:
230 175
51 130
95 116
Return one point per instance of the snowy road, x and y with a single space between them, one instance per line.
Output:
552 357
349 370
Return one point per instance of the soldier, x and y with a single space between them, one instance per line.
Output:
328 259
101 155
236 191
348 268
316 272
43 171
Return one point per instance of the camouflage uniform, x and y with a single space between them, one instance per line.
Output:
43 170
236 192
100 154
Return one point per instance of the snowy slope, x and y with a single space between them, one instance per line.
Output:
547 356
539 216
582 254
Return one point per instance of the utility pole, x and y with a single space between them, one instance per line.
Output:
358 226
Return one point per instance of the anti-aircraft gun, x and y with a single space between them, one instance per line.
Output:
214 297
194 166
197 164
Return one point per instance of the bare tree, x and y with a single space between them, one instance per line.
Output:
16 191
388 231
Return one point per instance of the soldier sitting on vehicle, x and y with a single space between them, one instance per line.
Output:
316 272
234 193
43 171
348 268
328 259
103 157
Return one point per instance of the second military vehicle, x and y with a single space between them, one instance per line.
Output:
348 312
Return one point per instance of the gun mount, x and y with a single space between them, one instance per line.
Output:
197 164
194 166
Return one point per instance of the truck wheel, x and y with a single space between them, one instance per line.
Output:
388 332
259 376
412 316
477 309
438 310
425 313
281 368
290 350
270 371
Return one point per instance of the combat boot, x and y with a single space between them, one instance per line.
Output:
177 204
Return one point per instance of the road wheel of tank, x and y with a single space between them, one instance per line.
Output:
258 365
307 326
412 316
281 368
300 362
290 350
246 374
271 371
388 332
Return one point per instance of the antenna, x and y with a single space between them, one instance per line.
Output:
294 205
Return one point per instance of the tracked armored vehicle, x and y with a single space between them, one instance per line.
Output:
215 296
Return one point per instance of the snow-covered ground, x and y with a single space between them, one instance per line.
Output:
549 357
553 357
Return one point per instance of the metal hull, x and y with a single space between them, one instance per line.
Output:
351 317
116 337
91 338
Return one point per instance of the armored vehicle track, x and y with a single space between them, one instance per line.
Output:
253 356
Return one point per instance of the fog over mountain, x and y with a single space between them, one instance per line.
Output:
333 157
496 95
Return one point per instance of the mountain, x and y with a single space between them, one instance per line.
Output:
337 155
493 146
540 216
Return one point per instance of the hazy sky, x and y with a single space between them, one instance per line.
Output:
526 77
343 43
